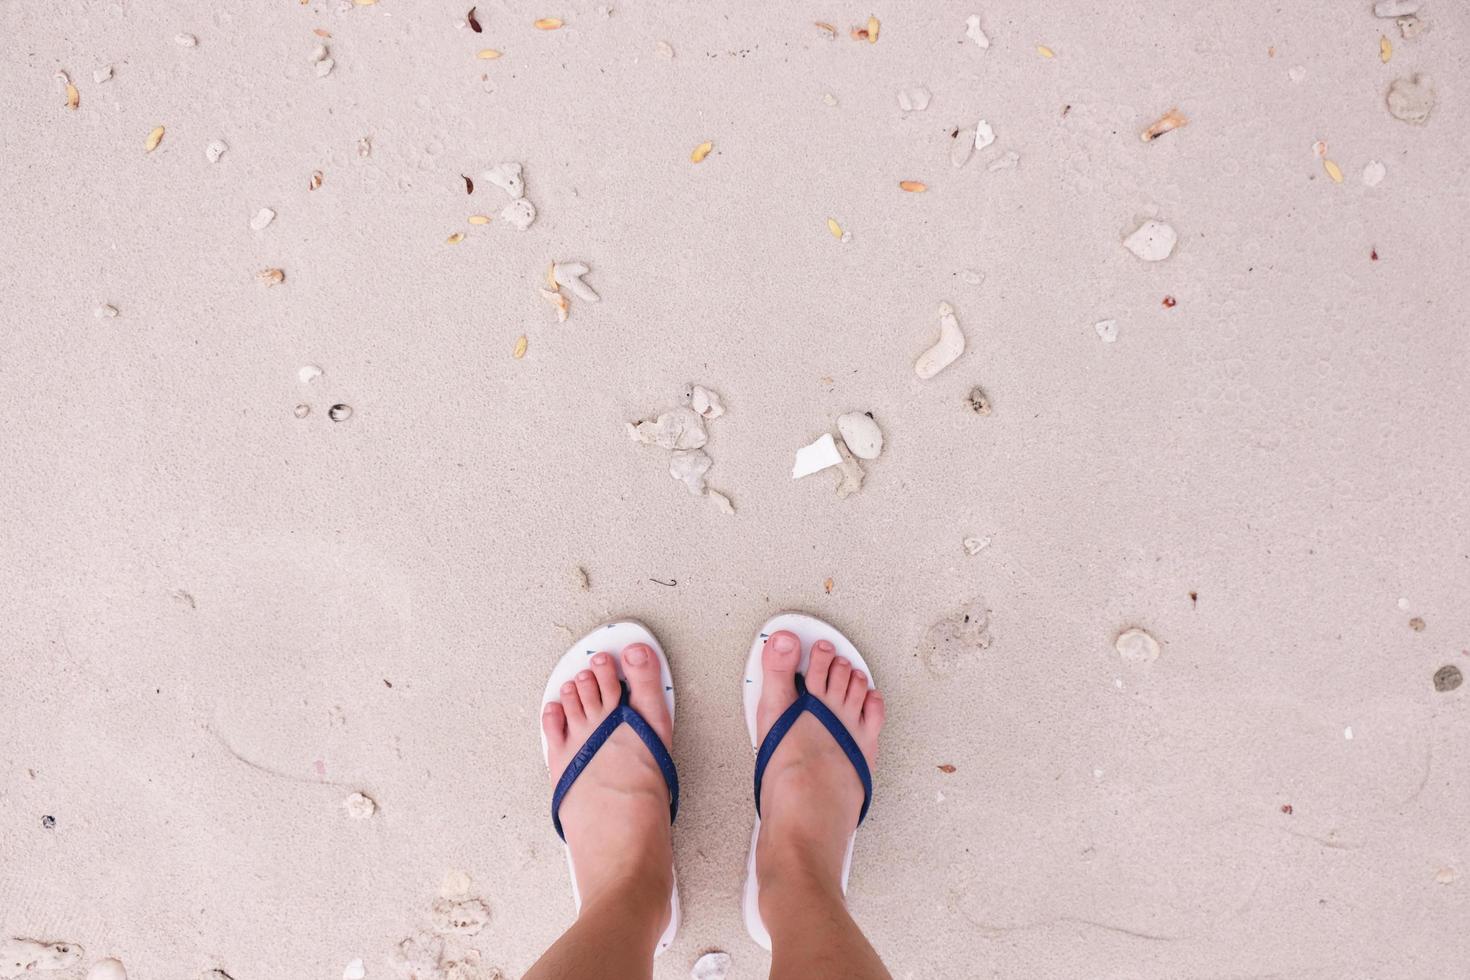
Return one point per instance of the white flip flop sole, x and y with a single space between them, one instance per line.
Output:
611 638
809 629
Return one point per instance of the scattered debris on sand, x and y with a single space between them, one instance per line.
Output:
975 545
105 311
1447 678
360 806
462 917
956 639
704 401
1107 330
850 478
25 957
816 457
301 411
681 431
339 413
974 32
262 218
978 401
664 50
314 182
1136 646
519 214
108 969
678 428
270 277
507 176
861 433
1411 99
1168 122
713 965
1152 241
948 348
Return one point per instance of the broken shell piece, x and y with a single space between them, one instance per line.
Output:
324 67
974 277
73 97
315 180
816 457
962 146
701 151
1374 173
1006 161
1410 27
1445 876
974 33
834 228
664 49
1333 171
973 546
302 411
506 176
271 277
215 149
1388 9
1107 330
155 136
547 23
978 401
465 917
714 965
984 136
1168 122
829 99
913 186
850 479
1136 646
308 373
24 957
358 806
519 214
678 428
705 402
689 466
1385 49
262 218
108 969
1152 241
913 99
949 346
102 74
861 434
354 971
319 53
1296 73
341 413
487 54
106 310
186 40
479 219
562 305
720 501
1045 51
1412 99
569 274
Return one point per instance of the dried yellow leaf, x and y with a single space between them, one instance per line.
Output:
488 54
701 151
1385 49
455 238
1333 171
520 350
154 138
834 228
872 29
548 23
913 186
73 97
1045 51
271 277
479 219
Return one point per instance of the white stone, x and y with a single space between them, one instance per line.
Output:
215 149
1107 330
1347 733
186 40
102 74
354 971
319 53
108 969
678 428
569 274
973 546
1374 173
863 437
913 99
984 135
359 806
506 176
324 67
1136 646
689 467
1396 8
706 402
974 33
308 373
1152 241
664 49
519 214
949 346
105 311
1296 73
262 218
817 457
712 966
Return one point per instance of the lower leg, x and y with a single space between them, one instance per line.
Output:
614 935
812 933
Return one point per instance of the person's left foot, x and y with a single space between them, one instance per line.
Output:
616 815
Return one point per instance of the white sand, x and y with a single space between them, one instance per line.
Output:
204 597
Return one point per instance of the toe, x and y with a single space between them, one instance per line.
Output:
816 673
571 704
837 677
874 711
554 725
779 659
605 670
857 692
646 689
587 691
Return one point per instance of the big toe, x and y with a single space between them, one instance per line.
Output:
779 659
646 689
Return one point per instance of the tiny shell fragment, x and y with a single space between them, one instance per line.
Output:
850 473
319 52
155 136
978 401
73 97
1374 173
479 219
678 428
324 67
721 502
507 176
1296 73
1152 241
302 411
186 40
519 214
340 413
1448 678
872 29
827 30
559 302
664 49
108 969
975 545
569 275
1412 99
355 970
1137 646
861 434
488 54
548 23
816 457
520 348
1333 171
214 149
1045 51
913 186
262 218
974 33
1168 122
689 467
913 99
1385 49
1410 27
314 181
984 135
473 21
359 806
105 311
701 151
308 373
102 74
834 228
271 277
1107 330
944 352
455 238
1445 876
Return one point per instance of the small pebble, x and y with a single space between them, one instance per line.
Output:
324 67
984 136
519 214
319 53
1152 241
1107 330
1411 99
102 74
861 434
186 40
1347 733
1447 678
973 546
1137 646
49 822
262 218
105 310
214 149
108 969
978 401
354 971
664 49
302 411
340 413
1374 173
714 965
358 805
308 373
1296 73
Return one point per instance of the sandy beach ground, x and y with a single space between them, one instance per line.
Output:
218 620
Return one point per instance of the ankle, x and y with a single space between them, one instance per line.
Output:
794 871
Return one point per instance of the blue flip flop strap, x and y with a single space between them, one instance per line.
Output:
623 714
805 701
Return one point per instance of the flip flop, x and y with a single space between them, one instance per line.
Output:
809 629
612 638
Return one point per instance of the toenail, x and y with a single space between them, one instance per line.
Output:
843 662
784 642
600 659
568 688
824 644
549 707
636 655
585 675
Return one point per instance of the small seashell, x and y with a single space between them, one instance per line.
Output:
324 67
506 176
559 302
455 238
984 135
214 149
714 965
913 99
341 413
1166 123
73 97
519 214
271 277
262 218
106 310
102 74
155 136
302 411
1374 173
108 969
1447 678
973 546
974 33
354 971
949 346
701 151
1152 241
186 40
1107 330
1137 646
308 373
664 49
816 457
861 434
872 29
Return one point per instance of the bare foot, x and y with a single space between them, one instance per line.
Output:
810 794
616 815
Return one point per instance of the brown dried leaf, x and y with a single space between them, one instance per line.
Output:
520 350
154 138
828 586
913 186
1169 121
474 24
548 23
469 185
946 768
271 277
701 151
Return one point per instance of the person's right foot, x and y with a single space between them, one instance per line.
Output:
810 794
